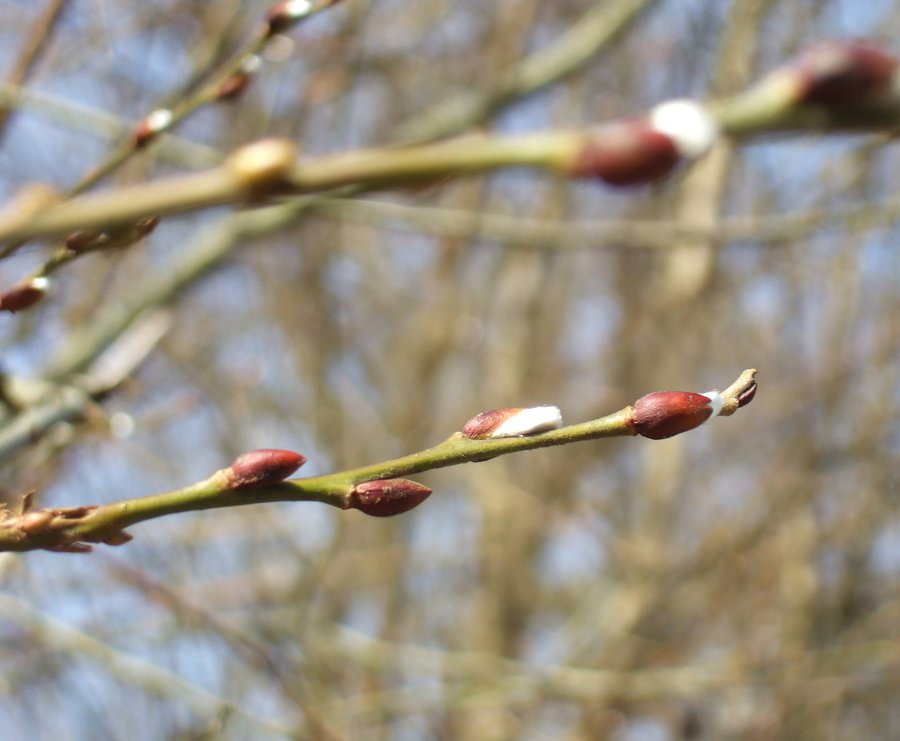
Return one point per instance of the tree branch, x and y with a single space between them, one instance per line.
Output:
376 489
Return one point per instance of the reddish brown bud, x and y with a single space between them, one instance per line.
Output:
627 152
83 241
844 72
146 225
388 497
25 295
663 414
120 236
238 82
262 467
233 86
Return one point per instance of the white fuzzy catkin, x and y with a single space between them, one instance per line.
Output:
529 421
687 123
158 120
716 402
297 8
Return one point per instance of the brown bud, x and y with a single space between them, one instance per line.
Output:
233 86
83 241
24 295
388 497
128 234
836 73
262 468
663 414
146 225
628 152
120 236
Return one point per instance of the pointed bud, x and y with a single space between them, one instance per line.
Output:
121 236
146 225
124 236
388 497
513 422
628 152
836 73
238 82
154 123
663 414
640 150
24 295
262 468
83 241
233 86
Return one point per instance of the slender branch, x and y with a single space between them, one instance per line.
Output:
126 668
95 122
238 182
224 80
536 233
578 45
835 87
801 96
35 45
40 405
375 489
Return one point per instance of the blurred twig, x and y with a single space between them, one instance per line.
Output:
127 668
35 44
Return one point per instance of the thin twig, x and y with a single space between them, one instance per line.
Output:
71 528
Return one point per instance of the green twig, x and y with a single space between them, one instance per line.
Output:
70 529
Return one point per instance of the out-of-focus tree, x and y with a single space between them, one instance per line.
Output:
739 581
